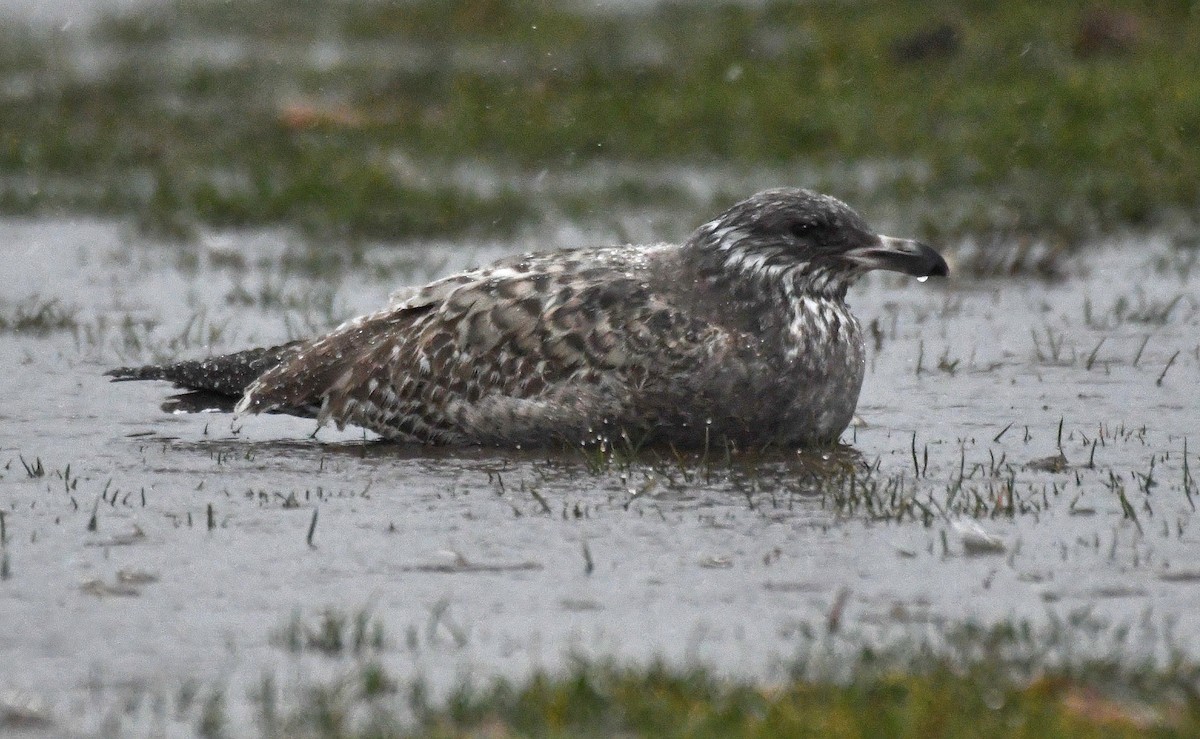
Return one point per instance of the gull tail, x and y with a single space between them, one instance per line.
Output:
213 384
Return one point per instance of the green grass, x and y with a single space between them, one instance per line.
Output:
1015 135
660 702
1010 680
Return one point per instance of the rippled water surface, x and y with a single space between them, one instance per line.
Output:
148 552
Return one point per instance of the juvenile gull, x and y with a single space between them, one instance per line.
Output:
740 335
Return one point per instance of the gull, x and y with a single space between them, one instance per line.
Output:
740 335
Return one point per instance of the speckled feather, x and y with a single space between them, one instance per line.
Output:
529 350
740 334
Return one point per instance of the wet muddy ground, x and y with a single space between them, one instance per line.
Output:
154 561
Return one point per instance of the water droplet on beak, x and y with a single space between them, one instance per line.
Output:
922 279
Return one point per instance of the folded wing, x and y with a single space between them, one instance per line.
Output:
505 357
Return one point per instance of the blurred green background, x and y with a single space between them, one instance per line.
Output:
989 123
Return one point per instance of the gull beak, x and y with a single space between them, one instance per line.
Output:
899 255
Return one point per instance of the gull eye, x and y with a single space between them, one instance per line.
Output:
802 229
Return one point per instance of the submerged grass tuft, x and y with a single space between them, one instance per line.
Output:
39 317
334 633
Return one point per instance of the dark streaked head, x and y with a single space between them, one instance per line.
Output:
815 240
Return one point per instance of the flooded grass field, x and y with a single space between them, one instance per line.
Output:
1004 541
1023 457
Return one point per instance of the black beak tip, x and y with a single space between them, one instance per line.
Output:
939 268
934 263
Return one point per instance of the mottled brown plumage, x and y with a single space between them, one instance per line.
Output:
741 334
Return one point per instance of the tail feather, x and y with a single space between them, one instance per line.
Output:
199 401
227 376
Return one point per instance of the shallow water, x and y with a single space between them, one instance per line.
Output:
476 562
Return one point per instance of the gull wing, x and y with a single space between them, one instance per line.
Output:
504 355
